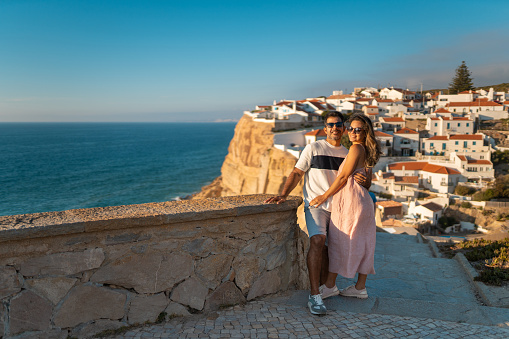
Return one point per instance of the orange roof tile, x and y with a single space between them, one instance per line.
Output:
382 134
439 137
387 119
439 169
473 103
462 157
479 162
411 165
442 110
406 130
466 137
389 203
432 206
413 179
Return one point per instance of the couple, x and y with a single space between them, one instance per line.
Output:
338 207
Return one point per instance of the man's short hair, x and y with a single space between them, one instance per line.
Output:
333 114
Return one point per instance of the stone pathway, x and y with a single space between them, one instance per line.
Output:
262 319
413 295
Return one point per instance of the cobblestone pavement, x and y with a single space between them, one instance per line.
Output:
262 319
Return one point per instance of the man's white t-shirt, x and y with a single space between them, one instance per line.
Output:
320 161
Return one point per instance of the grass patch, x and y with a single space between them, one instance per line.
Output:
490 258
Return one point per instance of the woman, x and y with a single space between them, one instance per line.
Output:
352 229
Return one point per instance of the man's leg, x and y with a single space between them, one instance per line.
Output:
325 265
314 261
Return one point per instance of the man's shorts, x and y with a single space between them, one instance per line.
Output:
317 220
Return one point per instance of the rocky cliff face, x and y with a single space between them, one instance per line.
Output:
252 165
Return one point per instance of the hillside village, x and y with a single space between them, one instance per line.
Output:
432 143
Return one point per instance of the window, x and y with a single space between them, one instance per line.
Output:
456 142
455 110
431 144
436 124
448 125
473 143
443 145
435 133
482 157
423 146
465 144
459 124
468 124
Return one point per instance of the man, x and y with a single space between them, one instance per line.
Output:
319 163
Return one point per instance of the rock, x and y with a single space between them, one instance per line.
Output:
246 270
98 326
214 268
51 334
275 258
86 303
176 310
227 294
2 319
200 247
191 292
146 308
9 282
29 312
267 283
53 289
146 273
63 263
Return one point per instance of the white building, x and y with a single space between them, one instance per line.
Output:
401 187
406 142
466 144
428 211
481 108
436 178
315 135
386 142
442 125
396 94
391 123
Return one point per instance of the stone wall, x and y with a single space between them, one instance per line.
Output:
79 272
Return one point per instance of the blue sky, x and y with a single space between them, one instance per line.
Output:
211 60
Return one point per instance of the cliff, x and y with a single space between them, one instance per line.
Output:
252 165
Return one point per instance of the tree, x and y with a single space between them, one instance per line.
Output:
462 80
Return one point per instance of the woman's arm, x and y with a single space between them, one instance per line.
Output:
354 155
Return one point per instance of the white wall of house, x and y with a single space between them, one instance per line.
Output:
430 146
427 214
289 138
406 144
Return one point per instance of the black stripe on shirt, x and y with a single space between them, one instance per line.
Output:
326 162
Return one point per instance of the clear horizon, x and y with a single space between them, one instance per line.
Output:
184 61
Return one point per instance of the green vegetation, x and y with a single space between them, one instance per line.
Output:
499 191
345 141
464 190
447 221
466 204
499 157
385 195
462 80
491 258
504 87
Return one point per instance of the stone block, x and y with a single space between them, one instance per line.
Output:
63 263
267 283
146 273
176 310
146 308
246 270
29 312
98 326
86 303
51 334
214 268
275 258
9 282
201 247
53 289
191 292
227 294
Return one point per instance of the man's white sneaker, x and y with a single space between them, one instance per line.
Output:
316 305
328 292
351 291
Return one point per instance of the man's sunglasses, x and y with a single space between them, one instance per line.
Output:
338 124
355 130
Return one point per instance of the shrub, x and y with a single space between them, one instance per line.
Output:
466 204
463 190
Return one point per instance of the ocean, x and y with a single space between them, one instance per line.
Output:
60 166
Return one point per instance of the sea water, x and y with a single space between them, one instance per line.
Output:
59 166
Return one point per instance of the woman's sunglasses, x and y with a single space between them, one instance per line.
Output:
356 130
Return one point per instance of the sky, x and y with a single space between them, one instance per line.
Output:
176 61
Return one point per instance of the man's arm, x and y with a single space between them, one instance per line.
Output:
290 184
363 180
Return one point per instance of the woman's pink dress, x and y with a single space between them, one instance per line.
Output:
352 230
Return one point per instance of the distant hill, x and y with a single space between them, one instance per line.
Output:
504 87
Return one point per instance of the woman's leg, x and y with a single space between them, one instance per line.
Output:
361 281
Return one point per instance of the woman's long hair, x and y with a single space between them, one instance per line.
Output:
373 149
